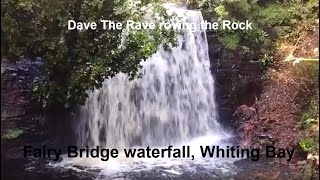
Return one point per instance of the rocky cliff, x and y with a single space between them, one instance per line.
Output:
237 80
17 105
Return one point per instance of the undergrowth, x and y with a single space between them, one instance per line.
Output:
272 21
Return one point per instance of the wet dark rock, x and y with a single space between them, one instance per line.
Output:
237 79
17 103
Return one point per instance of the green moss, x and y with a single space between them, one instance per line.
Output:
12 134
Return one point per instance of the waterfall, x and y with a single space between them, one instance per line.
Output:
173 101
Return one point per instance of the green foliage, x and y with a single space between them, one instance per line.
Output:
277 15
76 61
241 11
12 134
310 123
221 11
271 20
311 116
266 60
307 144
230 41
288 20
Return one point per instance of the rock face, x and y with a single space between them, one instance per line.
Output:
17 104
237 79
20 111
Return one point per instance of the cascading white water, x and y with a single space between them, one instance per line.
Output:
172 103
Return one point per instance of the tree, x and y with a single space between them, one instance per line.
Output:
75 61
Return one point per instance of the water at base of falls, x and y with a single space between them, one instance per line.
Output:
161 168
171 104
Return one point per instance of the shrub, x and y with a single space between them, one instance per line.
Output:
307 144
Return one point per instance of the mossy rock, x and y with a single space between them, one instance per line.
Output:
12 134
